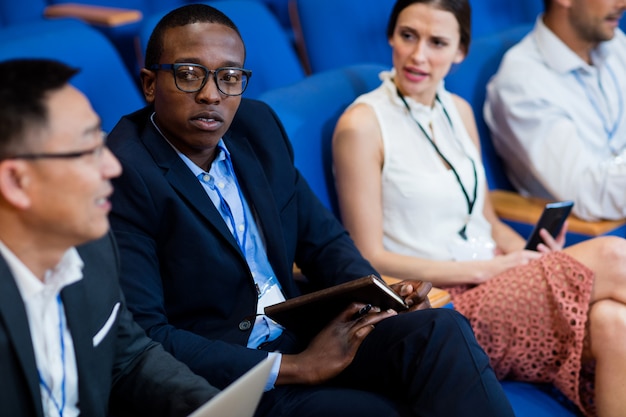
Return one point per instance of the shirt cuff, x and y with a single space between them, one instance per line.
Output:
271 380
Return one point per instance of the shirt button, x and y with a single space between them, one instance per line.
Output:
221 185
245 325
241 228
206 178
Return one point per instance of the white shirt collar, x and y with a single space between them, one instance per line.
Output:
424 114
559 56
66 272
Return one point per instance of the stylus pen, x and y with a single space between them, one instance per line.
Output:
363 311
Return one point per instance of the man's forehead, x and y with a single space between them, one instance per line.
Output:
202 38
70 110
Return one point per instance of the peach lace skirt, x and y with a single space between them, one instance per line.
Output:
531 322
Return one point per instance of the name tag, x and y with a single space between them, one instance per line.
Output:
269 294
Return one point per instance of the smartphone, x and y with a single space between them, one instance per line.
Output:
552 219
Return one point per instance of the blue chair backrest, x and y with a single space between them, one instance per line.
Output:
103 78
336 33
469 80
493 16
17 12
280 9
309 111
269 52
146 7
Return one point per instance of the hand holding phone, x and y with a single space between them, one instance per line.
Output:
552 219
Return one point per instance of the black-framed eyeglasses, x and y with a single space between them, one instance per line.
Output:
190 78
95 151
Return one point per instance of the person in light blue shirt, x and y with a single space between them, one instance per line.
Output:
211 215
556 108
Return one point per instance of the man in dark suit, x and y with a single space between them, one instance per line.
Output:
211 214
68 344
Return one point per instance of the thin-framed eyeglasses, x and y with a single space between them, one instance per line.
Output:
95 151
190 78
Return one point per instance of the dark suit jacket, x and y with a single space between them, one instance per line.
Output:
185 278
126 364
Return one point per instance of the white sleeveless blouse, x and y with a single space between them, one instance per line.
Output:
423 204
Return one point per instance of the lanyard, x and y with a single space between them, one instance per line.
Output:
470 202
60 407
606 124
207 179
241 241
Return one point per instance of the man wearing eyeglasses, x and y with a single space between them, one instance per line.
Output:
210 215
68 344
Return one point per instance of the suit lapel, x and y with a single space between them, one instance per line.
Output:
13 314
183 181
75 303
257 191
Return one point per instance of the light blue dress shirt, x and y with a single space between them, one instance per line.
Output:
221 185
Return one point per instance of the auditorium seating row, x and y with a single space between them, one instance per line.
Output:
342 47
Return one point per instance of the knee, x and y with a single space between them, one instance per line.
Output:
612 250
607 327
451 323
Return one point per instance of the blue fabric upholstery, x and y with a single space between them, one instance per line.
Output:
103 77
145 6
269 51
469 80
336 33
309 111
537 400
492 16
18 12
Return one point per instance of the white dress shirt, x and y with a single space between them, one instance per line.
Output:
56 361
560 124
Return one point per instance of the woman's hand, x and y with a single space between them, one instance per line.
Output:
551 244
485 270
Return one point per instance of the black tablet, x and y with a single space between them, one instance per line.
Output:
552 219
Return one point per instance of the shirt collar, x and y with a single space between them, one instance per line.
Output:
424 114
222 152
558 56
66 272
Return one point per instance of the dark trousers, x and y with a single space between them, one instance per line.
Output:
426 363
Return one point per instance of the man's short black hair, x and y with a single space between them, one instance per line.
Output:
24 85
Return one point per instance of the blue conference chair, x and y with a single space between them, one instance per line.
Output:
309 111
469 80
336 33
19 12
269 52
103 77
493 16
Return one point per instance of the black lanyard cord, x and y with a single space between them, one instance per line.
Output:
470 202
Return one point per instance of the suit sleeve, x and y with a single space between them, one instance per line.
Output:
146 379
138 223
149 381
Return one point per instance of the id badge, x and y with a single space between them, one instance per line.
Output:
270 294
471 249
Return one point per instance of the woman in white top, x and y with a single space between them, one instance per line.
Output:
413 195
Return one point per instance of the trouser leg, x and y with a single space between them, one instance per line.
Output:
430 360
